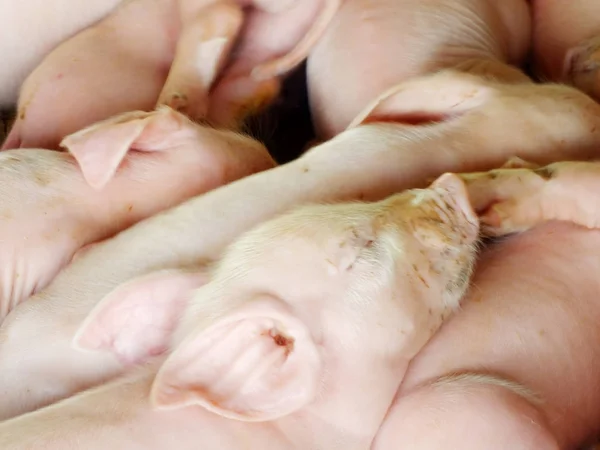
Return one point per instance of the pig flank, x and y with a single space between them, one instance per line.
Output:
348 302
359 52
32 28
368 162
566 43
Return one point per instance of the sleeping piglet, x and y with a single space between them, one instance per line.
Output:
306 323
116 173
150 52
373 45
368 162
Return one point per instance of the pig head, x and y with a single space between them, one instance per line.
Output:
116 173
109 68
308 320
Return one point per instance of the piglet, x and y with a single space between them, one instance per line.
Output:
372 45
305 324
33 28
171 52
115 174
370 161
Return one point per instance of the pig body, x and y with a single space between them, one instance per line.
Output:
51 207
150 52
566 43
368 162
291 341
536 340
372 46
31 29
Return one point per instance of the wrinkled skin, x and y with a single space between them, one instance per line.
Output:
367 162
535 338
372 45
32 28
171 52
54 203
324 334
566 43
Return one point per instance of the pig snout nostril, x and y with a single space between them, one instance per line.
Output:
282 340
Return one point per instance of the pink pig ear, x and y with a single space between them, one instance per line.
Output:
430 98
456 195
100 148
136 320
257 364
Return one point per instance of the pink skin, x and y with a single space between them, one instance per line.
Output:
539 330
566 43
32 28
173 52
371 45
522 194
546 123
323 335
56 202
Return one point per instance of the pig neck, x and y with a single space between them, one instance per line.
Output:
118 415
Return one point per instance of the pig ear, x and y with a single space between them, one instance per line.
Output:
426 99
256 364
136 320
100 148
454 193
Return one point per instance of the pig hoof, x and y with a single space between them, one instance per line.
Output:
581 67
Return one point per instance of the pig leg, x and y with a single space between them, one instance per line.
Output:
202 50
269 46
300 51
516 199
467 412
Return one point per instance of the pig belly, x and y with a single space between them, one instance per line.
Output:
531 318
32 28
116 66
374 45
